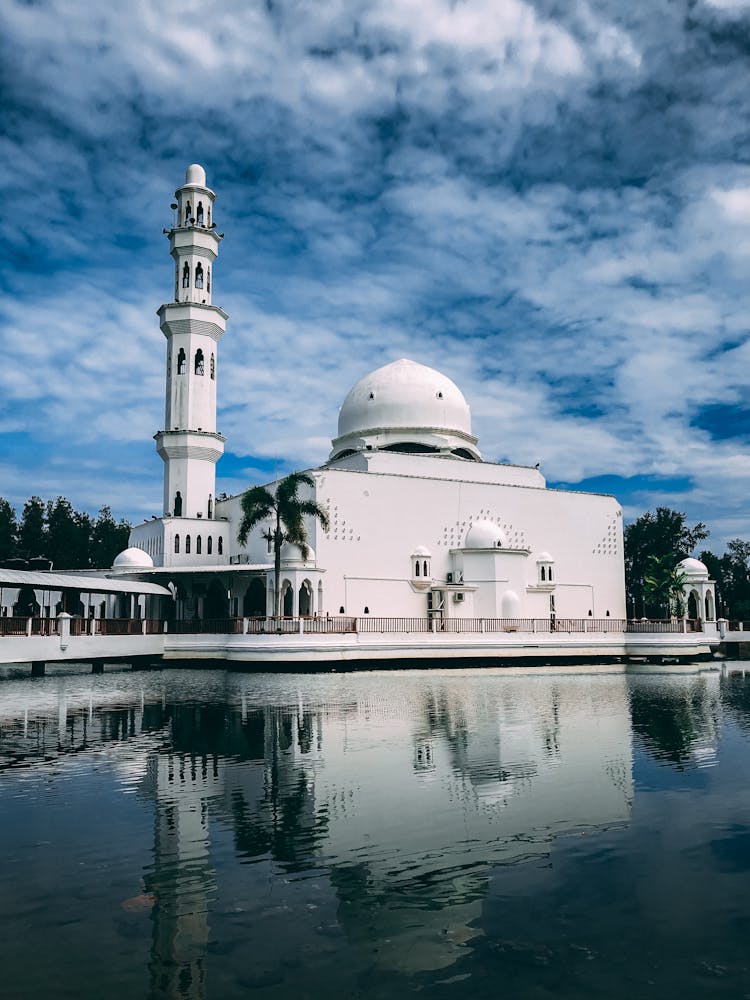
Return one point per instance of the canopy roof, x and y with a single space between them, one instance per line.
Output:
42 580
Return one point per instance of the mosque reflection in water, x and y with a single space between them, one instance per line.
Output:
402 794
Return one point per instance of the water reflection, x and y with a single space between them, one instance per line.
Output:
677 719
393 797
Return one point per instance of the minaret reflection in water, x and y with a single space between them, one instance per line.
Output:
406 802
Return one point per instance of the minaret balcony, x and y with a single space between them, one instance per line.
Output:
206 446
194 239
192 318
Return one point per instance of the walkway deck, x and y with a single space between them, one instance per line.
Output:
348 640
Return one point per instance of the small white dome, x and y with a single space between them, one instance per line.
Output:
403 406
544 557
290 553
195 174
484 535
693 567
133 558
421 550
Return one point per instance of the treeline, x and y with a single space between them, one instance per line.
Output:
654 545
53 530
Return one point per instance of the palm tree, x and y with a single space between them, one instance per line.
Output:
287 512
664 583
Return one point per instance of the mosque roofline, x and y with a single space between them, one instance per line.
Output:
214 568
328 467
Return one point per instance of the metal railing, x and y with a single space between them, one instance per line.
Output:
342 624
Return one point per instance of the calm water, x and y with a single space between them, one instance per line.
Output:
454 834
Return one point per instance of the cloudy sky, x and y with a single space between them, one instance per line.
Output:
548 200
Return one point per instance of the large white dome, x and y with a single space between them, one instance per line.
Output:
405 406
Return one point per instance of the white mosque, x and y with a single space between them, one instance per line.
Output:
420 524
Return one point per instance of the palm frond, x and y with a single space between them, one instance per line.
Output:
288 490
257 505
313 509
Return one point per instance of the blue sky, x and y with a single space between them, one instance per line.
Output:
550 202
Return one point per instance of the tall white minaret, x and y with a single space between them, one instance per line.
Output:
189 444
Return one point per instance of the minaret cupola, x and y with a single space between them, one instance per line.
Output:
193 240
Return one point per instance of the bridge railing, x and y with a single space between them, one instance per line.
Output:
342 624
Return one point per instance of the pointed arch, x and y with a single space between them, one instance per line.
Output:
181 362
198 545
177 544
210 545
199 366
186 275
187 544
199 214
199 275
212 368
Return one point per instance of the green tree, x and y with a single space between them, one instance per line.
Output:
8 530
108 537
63 535
731 572
33 531
665 535
286 511
664 584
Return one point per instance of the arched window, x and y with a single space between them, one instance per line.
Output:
199 275
186 275
213 366
178 504
187 544
177 543
221 546
208 279
198 545
188 212
199 214
549 573
181 362
199 362
424 568
543 573
416 568
210 508
210 545
209 214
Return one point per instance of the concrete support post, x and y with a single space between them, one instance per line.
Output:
97 667
301 626
63 629
533 624
481 625
245 626
143 626
722 623
28 626
37 668
433 624
684 624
